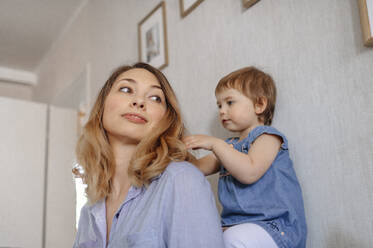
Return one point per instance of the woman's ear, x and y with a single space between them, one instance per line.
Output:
261 105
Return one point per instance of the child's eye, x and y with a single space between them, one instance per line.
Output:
126 89
156 99
229 103
219 106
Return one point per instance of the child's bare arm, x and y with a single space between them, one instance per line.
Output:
208 164
249 168
246 168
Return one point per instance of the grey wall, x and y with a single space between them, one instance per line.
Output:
314 51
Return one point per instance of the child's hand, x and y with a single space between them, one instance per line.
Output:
200 142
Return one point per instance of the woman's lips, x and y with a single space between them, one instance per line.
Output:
135 118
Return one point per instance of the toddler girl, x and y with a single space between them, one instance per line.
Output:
258 189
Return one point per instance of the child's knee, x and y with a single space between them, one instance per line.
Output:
232 239
247 235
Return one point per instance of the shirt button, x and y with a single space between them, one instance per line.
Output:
282 233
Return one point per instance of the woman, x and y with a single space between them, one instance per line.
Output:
141 190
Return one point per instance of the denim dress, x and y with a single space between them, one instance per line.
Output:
274 202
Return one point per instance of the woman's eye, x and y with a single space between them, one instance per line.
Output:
156 98
126 89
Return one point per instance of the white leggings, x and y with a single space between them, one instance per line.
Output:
248 235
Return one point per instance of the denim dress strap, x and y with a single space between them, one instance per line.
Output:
256 132
230 140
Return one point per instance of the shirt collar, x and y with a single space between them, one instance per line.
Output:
98 209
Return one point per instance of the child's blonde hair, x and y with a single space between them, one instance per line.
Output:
256 85
153 153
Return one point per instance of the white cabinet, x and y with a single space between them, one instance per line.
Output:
37 192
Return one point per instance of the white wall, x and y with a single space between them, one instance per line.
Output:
15 90
315 53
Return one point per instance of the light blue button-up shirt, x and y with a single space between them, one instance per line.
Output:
176 210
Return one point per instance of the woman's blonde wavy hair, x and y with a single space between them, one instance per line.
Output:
153 153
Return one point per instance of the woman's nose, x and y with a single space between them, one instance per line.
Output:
137 102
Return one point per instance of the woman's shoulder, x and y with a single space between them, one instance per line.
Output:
183 178
182 168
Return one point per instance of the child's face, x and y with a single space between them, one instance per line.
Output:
236 111
134 106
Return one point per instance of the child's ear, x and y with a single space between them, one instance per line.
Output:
261 105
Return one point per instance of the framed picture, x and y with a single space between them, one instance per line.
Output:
152 31
366 20
249 3
187 6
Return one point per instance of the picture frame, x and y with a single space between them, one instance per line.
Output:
249 3
187 6
366 20
152 37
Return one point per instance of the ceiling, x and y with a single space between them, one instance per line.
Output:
28 29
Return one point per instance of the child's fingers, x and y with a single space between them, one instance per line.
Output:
188 138
187 141
191 145
193 142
